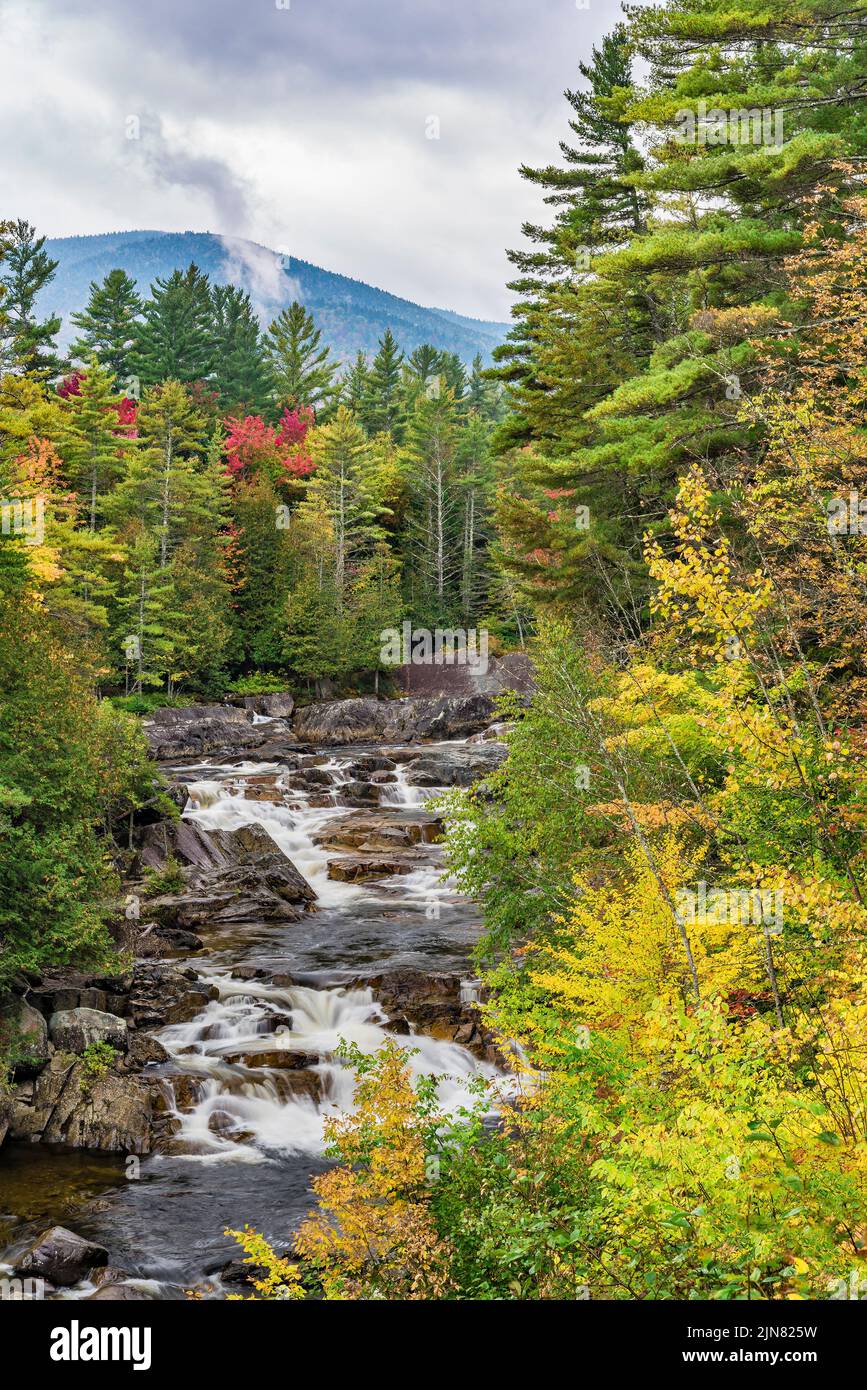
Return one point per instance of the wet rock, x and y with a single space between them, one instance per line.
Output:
432 1003
74 1030
237 1273
255 882
455 767
201 729
277 706
372 763
24 1037
180 1092
163 993
398 830
108 1274
144 1051
277 1059
358 794
119 1293
311 777
495 734
300 1084
356 868
367 720
61 1256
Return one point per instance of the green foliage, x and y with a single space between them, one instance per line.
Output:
107 325
303 369
97 1060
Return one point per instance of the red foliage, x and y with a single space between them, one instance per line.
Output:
70 385
252 446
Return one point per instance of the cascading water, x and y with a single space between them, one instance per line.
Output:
250 1081
248 1106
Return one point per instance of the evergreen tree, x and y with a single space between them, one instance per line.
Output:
431 448
175 339
341 490
382 407
453 375
423 363
242 376
302 368
26 342
148 612
355 384
108 324
92 443
167 490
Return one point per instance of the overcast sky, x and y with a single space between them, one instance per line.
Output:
301 124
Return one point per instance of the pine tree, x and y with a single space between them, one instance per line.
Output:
483 395
92 443
354 385
147 611
453 375
303 369
108 325
597 207
242 377
340 489
382 407
175 339
423 363
26 343
431 448
167 490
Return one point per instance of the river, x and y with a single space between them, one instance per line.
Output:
248 1133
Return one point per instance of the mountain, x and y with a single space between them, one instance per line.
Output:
351 314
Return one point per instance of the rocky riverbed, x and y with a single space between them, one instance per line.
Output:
296 904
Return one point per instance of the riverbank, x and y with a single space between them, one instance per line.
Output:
306 910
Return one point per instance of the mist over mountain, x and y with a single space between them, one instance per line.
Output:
351 314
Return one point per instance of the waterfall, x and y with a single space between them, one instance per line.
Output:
248 1112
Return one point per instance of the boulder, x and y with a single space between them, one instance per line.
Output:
432 1002
66 1105
197 730
367 720
24 1037
144 1051
276 706
400 830
61 1257
69 990
163 993
356 868
74 1030
254 881
455 767
278 1059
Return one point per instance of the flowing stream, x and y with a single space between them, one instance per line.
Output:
252 1079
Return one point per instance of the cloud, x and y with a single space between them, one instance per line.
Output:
304 127
262 273
174 166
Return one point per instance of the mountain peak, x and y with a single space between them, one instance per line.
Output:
352 315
